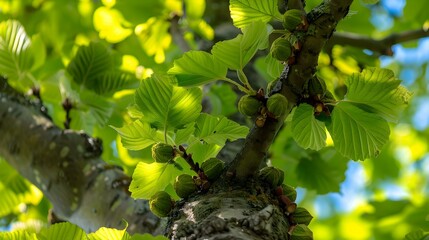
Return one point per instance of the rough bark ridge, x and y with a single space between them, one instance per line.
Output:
66 166
84 190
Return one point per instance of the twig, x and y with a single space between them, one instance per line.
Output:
382 46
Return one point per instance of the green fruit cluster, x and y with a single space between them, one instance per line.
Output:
162 152
184 185
272 176
249 105
212 168
277 105
292 19
281 49
161 204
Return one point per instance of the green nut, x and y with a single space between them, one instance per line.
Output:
292 19
316 87
272 176
212 168
249 105
289 191
302 216
184 185
161 204
281 49
301 232
277 104
162 153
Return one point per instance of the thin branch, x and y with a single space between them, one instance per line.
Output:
382 46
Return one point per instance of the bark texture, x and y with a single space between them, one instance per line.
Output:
66 166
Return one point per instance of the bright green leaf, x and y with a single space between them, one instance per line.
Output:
182 135
64 230
202 151
167 106
417 235
197 68
18 235
109 233
151 178
307 131
377 90
139 135
237 52
221 96
15 55
217 130
107 83
244 12
357 134
100 108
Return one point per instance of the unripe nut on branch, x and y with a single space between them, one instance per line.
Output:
272 176
212 168
289 192
184 185
292 19
277 105
161 204
281 49
162 152
300 232
302 216
249 105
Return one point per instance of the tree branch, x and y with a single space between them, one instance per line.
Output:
322 22
382 46
67 167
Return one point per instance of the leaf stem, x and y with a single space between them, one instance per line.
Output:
240 87
244 80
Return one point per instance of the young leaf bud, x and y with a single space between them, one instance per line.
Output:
184 185
249 105
316 87
302 216
292 19
281 49
161 204
272 176
301 232
162 153
212 168
277 105
289 191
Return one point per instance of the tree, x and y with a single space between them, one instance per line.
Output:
118 109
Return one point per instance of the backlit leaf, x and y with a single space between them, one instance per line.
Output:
244 12
63 230
307 131
139 135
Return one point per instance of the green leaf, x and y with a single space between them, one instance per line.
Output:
139 135
377 90
370 1
182 135
217 130
18 235
100 108
357 134
15 55
197 68
323 171
109 233
151 178
167 106
417 235
90 62
203 151
64 230
307 131
148 236
107 83
237 52
244 12
221 96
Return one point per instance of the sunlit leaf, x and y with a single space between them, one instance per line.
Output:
243 12
64 230
203 151
237 52
18 235
217 130
139 135
167 106
15 58
154 37
307 131
221 96
110 24
182 135
151 178
417 235
357 134
197 68
110 82
377 90
109 233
